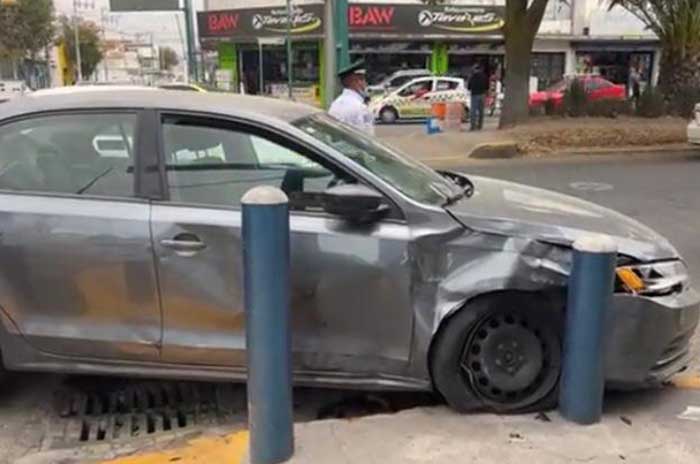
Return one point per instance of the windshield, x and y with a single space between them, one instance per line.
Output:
411 178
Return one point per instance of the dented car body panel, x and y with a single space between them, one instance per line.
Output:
368 300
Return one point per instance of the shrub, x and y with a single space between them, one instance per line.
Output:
683 103
608 108
575 99
651 103
551 109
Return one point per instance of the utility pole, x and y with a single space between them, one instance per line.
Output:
76 27
290 57
329 53
341 33
189 32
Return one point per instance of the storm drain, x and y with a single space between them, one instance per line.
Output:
143 409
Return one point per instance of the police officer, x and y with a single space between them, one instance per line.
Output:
351 106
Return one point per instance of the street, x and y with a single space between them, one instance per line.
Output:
660 192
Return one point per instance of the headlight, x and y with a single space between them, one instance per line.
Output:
655 279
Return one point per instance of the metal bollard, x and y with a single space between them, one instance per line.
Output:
268 333
591 286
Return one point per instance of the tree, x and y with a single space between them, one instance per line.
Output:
521 26
26 28
168 58
677 24
91 53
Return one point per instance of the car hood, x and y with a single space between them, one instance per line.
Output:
518 210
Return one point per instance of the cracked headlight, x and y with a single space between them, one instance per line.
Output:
654 279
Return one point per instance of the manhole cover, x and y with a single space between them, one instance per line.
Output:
141 409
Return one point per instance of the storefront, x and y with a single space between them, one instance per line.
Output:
614 60
447 39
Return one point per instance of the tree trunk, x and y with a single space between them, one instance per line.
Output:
523 18
517 76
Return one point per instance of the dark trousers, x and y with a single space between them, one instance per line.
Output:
476 112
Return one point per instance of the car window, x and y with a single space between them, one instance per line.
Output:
211 165
417 88
88 154
399 80
444 85
410 177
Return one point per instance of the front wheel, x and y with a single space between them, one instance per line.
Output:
499 353
388 115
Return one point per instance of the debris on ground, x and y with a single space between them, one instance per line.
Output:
542 417
626 420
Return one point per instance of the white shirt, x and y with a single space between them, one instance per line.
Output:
351 109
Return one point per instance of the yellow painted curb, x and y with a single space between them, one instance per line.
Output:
691 382
229 449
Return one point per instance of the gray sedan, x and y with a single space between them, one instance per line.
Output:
120 246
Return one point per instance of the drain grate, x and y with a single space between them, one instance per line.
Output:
101 413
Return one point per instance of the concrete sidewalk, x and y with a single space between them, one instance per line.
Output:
657 426
413 140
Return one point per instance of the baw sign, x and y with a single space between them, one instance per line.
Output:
370 19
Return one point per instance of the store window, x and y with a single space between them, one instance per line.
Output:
615 66
548 68
384 58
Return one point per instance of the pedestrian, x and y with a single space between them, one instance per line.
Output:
351 106
635 85
478 86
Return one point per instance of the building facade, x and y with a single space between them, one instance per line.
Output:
576 36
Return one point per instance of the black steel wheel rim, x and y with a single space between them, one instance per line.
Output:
510 358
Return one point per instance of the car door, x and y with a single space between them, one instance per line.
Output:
598 89
415 99
78 276
350 286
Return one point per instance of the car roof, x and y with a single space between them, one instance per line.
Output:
80 98
412 71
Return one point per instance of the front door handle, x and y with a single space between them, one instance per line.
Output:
186 243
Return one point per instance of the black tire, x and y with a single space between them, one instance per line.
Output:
474 366
388 115
465 114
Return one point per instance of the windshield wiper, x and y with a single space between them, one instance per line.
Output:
93 181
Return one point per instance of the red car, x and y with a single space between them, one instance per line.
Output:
597 88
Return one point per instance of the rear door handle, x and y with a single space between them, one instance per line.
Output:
186 243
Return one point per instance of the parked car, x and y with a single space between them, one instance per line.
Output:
396 80
402 277
596 87
694 127
414 99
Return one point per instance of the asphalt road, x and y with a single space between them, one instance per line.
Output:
662 193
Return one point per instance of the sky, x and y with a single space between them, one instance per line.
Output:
162 25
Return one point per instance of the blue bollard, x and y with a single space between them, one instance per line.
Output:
268 333
591 286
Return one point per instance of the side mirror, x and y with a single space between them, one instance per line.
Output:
355 202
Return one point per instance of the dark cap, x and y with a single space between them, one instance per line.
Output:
358 67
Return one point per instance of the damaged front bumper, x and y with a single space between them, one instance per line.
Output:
649 338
